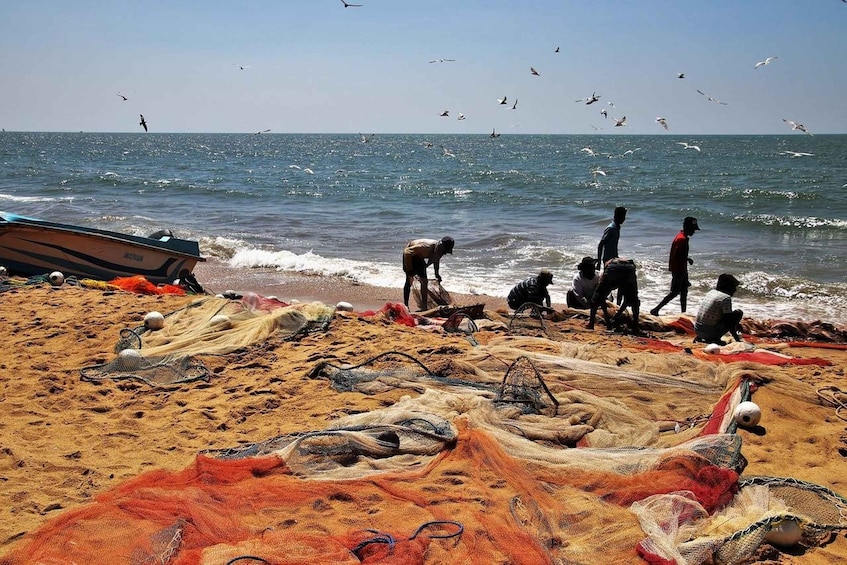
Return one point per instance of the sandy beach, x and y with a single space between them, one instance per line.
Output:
70 445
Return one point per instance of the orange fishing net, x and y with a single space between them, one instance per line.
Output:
139 285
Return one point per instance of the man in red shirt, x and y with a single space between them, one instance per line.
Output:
678 266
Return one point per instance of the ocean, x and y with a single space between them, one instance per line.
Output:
337 205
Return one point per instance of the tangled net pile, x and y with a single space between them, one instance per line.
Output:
522 450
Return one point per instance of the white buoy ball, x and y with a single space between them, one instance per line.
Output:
712 349
3 271
154 321
130 359
747 414
221 321
344 307
56 278
785 534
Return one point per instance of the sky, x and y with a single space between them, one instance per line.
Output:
316 66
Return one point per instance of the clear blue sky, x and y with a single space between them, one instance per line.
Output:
316 66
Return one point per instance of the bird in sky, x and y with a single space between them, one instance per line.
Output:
442 60
263 131
346 5
710 99
427 144
663 122
446 152
557 49
494 133
590 100
143 122
796 126
501 100
796 153
630 151
680 75
242 67
534 72
604 113
515 105
445 113
124 98
765 62
594 172
366 138
686 146
461 116
621 122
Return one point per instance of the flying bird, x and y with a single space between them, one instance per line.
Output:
442 60
588 151
796 153
366 138
621 122
242 67
263 131
534 72
604 113
710 99
461 116
346 5
795 125
557 49
765 62
630 151
494 134
123 97
143 122
515 105
590 100
501 100
663 122
445 113
686 146
446 152
680 75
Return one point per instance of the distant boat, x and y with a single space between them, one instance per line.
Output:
29 246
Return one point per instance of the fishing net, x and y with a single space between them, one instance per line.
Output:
437 295
211 326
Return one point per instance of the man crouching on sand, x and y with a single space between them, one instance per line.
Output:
618 273
417 256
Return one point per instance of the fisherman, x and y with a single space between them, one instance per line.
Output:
532 290
618 274
678 261
716 316
417 256
584 284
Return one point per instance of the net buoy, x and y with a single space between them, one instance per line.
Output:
3 271
56 278
344 307
785 534
221 321
130 359
712 349
154 321
747 414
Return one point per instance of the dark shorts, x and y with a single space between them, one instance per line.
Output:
679 282
621 278
417 267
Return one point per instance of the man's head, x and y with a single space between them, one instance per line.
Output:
689 225
545 277
586 266
446 244
619 215
727 284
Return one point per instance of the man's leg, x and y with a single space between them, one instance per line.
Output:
407 289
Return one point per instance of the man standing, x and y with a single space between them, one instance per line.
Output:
417 256
608 247
678 262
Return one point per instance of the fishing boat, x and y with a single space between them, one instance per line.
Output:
29 246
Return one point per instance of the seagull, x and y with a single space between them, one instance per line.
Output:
590 100
589 151
534 72
445 113
501 100
604 113
557 49
442 60
621 122
143 122
680 75
795 125
630 151
446 152
663 122
242 67
494 134
765 62
366 138
597 171
461 116
427 144
796 153
123 97
710 99
346 5
686 146
263 131
515 105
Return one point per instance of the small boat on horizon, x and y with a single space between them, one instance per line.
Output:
29 246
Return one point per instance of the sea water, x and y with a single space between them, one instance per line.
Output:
335 205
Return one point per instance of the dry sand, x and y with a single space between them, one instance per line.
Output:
64 441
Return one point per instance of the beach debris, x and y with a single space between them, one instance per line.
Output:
154 320
56 278
344 306
221 320
747 414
